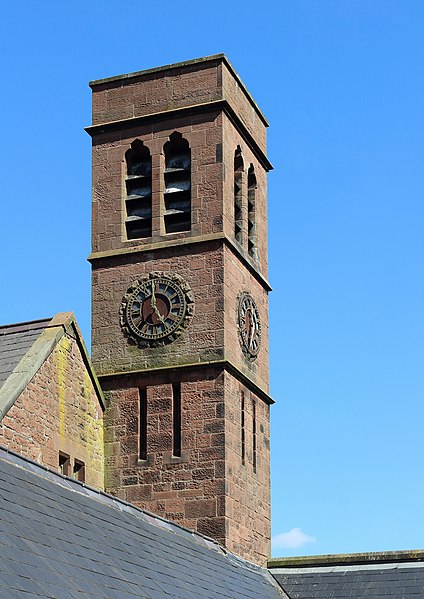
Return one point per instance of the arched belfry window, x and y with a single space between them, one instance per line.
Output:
238 176
251 213
177 193
138 183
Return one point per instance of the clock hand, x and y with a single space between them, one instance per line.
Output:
153 300
158 314
252 331
154 305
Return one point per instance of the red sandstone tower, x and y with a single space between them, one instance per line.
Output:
180 297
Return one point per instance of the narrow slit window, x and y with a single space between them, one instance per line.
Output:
176 419
243 431
64 464
251 213
142 433
254 434
177 193
138 184
79 471
238 176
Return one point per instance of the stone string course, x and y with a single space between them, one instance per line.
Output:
207 488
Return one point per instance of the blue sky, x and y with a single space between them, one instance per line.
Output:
341 82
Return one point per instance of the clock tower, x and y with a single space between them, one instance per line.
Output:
180 297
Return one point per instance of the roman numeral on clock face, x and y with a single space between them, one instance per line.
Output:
155 307
135 308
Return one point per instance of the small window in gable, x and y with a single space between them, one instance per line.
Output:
64 464
251 213
79 471
238 175
138 183
177 193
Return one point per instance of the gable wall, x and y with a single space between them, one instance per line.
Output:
58 411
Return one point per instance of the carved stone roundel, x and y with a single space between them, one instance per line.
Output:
156 309
249 326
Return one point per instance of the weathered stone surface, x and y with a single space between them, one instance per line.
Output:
209 486
59 410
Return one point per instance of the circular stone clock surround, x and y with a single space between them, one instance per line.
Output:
249 326
156 309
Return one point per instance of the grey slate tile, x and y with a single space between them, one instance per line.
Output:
77 543
14 345
391 583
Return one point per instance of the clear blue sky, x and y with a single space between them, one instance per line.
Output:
342 84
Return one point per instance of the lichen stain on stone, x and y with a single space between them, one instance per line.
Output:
80 417
61 381
93 426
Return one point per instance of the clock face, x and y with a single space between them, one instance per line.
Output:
249 326
156 309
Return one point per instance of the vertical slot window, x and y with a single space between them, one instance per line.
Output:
138 184
142 424
251 215
177 193
254 434
176 419
243 431
238 176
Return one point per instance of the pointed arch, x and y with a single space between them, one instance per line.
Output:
177 175
238 176
251 213
138 184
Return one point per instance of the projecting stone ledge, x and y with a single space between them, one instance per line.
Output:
388 574
347 558
208 82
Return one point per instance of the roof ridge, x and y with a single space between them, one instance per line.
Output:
28 325
48 333
341 559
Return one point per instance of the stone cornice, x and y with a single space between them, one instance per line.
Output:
224 364
347 559
97 257
217 105
187 64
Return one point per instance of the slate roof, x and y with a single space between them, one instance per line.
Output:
388 575
61 539
15 341
25 346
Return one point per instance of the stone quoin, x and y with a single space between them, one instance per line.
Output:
179 189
